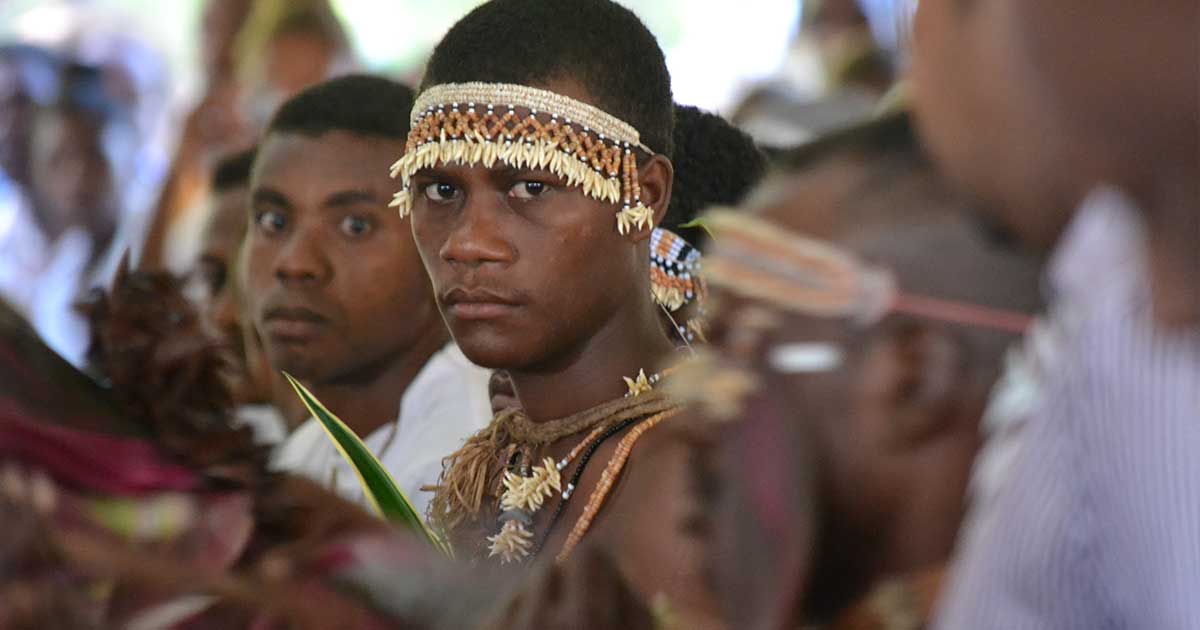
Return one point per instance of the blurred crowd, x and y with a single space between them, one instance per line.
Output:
916 348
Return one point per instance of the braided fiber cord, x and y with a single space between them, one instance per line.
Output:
472 476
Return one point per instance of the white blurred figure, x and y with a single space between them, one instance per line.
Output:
845 58
60 241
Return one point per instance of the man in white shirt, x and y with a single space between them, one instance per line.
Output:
58 236
268 413
1080 119
339 296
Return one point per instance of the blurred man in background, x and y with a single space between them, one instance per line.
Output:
1083 120
77 145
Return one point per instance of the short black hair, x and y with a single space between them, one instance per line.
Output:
715 164
233 171
598 43
362 104
83 90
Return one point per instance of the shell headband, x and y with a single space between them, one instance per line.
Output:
479 123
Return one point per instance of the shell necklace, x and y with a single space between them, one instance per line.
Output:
524 495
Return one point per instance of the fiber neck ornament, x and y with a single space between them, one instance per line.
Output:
479 123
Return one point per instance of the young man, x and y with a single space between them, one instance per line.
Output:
849 375
338 294
1093 151
223 305
537 168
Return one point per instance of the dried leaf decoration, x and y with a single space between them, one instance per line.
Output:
168 375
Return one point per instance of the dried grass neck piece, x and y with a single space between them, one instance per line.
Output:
525 127
504 468
525 494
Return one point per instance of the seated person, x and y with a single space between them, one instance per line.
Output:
67 243
538 249
338 295
216 276
863 320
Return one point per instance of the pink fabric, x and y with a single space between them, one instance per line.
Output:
89 461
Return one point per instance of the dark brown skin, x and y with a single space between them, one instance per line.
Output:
1033 104
334 285
219 28
500 392
587 593
222 279
887 439
561 300
650 529
219 244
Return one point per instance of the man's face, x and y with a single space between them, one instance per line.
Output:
16 116
334 283
525 268
215 269
802 438
72 175
984 116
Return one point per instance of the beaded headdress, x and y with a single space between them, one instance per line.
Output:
674 270
526 127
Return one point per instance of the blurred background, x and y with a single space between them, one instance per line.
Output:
113 112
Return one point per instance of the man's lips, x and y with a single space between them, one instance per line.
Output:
478 304
293 323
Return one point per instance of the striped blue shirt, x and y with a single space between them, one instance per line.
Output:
1096 524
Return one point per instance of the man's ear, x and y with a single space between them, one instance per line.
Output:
655 176
920 378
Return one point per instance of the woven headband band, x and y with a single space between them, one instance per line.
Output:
479 123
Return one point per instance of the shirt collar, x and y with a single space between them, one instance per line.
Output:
1101 251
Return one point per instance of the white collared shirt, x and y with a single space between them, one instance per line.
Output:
444 405
1095 522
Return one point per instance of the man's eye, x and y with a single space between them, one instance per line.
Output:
441 192
271 222
355 226
528 189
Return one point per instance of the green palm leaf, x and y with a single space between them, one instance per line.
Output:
378 486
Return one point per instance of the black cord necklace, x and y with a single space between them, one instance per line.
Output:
570 491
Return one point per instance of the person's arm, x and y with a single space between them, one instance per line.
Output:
212 128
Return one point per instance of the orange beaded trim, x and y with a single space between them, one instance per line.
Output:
461 123
675 278
609 477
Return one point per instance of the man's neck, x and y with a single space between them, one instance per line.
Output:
594 373
1172 209
369 403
